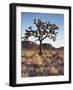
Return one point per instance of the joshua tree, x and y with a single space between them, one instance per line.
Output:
44 30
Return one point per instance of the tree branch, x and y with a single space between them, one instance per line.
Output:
45 36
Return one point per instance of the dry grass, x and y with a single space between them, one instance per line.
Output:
49 63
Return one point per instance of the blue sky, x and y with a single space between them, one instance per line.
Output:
58 19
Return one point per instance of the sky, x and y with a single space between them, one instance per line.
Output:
58 19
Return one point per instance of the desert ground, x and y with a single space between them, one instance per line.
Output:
50 63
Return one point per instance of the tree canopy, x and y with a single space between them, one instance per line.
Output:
44 30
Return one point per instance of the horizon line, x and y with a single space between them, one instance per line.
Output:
42 43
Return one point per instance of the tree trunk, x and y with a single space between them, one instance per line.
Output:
40 48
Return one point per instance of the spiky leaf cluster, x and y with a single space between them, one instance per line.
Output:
44 30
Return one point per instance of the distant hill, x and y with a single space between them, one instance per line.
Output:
48 46
61 48
33 45
29 45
